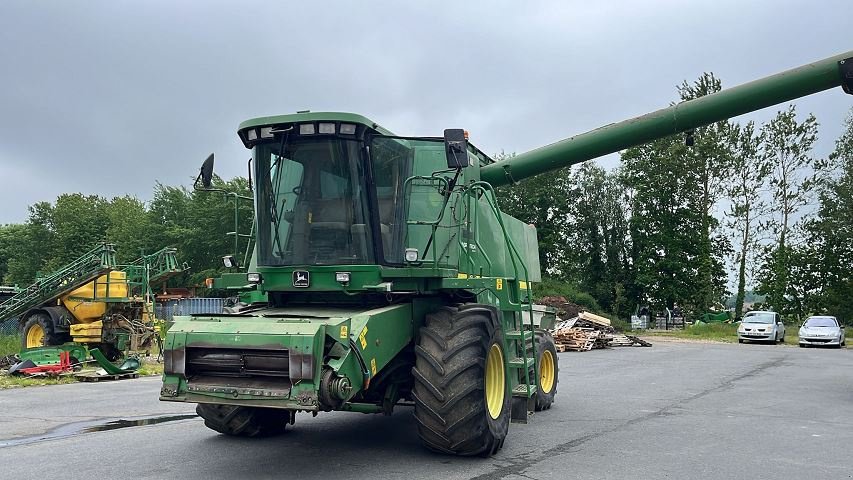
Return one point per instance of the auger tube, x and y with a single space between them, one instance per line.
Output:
775 89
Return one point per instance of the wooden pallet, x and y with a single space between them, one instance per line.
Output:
94 377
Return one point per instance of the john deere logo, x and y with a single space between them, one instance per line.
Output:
301 279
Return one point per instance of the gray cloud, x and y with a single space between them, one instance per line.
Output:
109 97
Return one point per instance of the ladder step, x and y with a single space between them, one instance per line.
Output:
521 363
521 391
519 334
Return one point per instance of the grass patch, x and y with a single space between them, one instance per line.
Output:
12 381
150 369
9 344
718 332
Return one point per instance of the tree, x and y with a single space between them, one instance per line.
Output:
664 221
32 247
131 228
197 224
677 251
748 208
823 272
10 236
597 258
711 164
78 222
787 147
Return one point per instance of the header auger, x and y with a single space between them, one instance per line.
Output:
384 273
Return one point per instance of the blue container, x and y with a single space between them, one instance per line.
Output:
188 306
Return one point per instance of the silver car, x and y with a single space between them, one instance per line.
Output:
761 326
822 330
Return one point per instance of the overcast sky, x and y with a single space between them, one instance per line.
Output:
110 97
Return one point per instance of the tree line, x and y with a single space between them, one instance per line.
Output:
681 217
195 222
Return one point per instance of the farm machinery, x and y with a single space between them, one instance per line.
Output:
386 274
93 302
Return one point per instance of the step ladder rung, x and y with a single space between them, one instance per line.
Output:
522 391
519 334
521 363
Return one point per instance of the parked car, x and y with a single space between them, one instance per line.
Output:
822 330
760 326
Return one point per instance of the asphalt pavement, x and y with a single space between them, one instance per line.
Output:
676 410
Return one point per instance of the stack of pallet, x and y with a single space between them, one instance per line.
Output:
622 340
582 333
588 331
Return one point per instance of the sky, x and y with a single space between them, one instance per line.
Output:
110 97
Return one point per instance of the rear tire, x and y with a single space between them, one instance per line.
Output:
546 381
462 401
243 421
37 331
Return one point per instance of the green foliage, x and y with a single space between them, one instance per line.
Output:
748 209
597 231
9 344
197 223
549 287
821 278
194 222
787 147
712 331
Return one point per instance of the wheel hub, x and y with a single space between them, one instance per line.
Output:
35 336
495 381
546 372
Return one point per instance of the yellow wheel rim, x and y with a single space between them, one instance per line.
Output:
35 336
546 372
495 381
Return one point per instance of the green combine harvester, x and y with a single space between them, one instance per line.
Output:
385 273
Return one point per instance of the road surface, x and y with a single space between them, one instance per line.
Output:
676 410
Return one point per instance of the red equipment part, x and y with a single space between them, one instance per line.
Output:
63 366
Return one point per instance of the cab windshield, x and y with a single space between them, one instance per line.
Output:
312 203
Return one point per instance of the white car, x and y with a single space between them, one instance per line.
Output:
759 326
822 330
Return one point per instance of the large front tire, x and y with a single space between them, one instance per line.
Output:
462 401
243 421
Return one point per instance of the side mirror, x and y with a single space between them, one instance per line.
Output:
456 148
205 174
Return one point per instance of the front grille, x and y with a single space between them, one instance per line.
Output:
822 340
242 363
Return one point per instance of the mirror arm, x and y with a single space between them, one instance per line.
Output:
249 166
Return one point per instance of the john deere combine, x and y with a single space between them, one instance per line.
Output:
392 276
